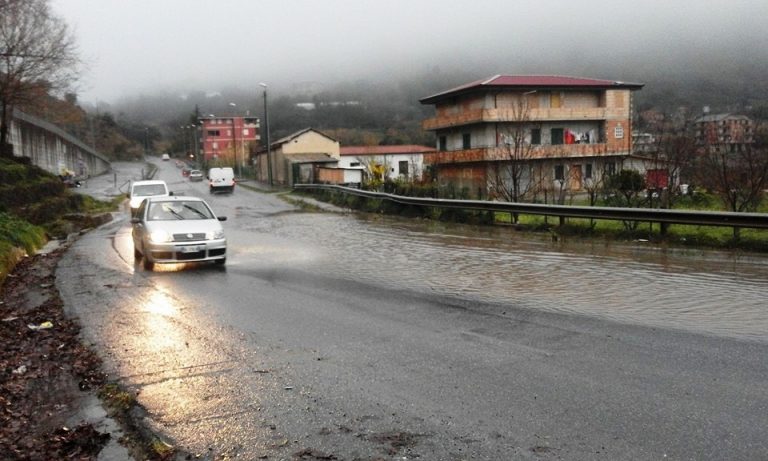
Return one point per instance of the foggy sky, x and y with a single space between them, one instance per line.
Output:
137 46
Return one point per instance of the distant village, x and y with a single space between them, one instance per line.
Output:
520 138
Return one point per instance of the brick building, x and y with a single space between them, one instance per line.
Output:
570 130
726 132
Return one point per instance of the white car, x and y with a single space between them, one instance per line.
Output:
177 229
195 175
143 189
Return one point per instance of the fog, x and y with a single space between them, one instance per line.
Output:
143 46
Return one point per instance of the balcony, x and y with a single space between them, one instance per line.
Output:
490 154
476 116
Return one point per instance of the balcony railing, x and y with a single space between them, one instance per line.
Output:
473 116
487 154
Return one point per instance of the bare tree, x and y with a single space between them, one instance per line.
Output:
512 177
376 171
37 57
738 176
675 151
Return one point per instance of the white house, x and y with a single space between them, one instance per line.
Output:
406 161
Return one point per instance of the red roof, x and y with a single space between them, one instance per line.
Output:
531 82
385 150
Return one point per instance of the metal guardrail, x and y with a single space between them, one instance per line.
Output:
691 217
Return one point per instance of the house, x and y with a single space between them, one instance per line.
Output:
227 140
405 161
295 157
538 133
724 132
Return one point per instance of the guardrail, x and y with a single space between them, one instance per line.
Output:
663 216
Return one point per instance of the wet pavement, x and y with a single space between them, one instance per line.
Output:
368 337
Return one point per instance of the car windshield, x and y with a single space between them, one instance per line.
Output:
176 210
149 190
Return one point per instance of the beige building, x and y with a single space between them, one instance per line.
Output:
295 157
541 133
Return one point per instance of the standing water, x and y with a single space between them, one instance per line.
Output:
713 292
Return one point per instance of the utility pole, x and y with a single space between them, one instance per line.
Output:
266 127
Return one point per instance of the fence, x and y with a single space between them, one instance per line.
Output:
662 216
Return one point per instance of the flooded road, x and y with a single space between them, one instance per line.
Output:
710 292
346 336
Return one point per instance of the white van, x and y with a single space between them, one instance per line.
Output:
143 189
221 180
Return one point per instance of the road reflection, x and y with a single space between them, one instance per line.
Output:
160 331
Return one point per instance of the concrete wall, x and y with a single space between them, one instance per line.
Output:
52 149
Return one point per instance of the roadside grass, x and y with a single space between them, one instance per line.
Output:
17 238
681 234
36 205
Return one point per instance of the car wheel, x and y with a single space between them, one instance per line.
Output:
148 265
136 253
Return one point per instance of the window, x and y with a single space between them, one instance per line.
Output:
213 133
466 141
555 100
215 145
559 172
556 135
536 136
610 168
351 164
402 165
588 171
442 143
618 132
245 131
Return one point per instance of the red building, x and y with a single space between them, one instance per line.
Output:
228 139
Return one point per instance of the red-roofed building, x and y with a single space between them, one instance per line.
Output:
571 130
404 161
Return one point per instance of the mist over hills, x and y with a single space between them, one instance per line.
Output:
386 105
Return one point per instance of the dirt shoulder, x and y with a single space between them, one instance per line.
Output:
45 371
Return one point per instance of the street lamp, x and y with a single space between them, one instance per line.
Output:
234 144
266 127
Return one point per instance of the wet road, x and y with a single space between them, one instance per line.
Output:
377 337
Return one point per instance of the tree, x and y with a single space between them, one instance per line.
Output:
624 189
37 57
675 151
739 176
512 177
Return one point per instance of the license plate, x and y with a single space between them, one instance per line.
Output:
190 249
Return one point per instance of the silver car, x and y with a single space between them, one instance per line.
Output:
177 229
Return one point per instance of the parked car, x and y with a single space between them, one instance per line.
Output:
185 171
177 229
195 175
143 189
166 157
221 180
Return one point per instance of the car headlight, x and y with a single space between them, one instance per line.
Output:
160 236
214 235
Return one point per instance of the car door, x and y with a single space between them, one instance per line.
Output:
139 228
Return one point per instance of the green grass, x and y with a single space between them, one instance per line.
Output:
17 238
688 235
